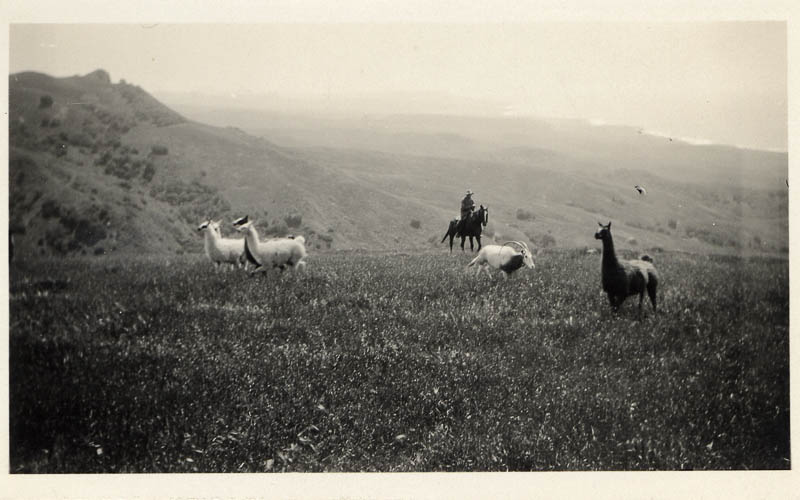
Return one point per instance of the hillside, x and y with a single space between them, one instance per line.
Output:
547 179
97 167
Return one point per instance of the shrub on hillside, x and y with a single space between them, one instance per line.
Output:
89 234
55 239
121 167
328 239
50 209
159 150
149 171
415 224
45 102
293 220
81 139
103 159
525 214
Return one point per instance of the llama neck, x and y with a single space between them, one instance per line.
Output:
609 255
252 237
211 236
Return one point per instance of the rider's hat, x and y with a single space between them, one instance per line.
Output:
469 192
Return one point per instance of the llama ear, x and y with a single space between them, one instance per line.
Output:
600 224
609 224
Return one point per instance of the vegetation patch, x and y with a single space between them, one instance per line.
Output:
159 150
523 214
395 363
293 221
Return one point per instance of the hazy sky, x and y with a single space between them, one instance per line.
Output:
725 82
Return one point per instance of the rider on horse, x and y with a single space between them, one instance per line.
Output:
467 207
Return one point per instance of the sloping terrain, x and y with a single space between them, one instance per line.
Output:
550 180
97 166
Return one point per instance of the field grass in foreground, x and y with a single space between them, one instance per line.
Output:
395 363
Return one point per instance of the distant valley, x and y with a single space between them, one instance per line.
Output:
98 167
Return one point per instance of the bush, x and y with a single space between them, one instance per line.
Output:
525 214
50 209
89 234
293 220
149 172
122 168
45 102
327 239
80 139
415 224
104 159
673 224
159 150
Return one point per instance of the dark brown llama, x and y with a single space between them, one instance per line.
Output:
622 278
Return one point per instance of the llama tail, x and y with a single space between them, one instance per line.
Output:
646 258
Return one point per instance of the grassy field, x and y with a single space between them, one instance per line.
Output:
395 363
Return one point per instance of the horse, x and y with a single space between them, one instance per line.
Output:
472 228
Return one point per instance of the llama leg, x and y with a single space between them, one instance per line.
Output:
259 269
641 299
651 291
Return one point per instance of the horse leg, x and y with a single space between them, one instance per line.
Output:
451 242
479 242
462 243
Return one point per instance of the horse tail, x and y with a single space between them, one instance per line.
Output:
449 230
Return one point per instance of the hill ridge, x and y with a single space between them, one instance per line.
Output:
99 167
